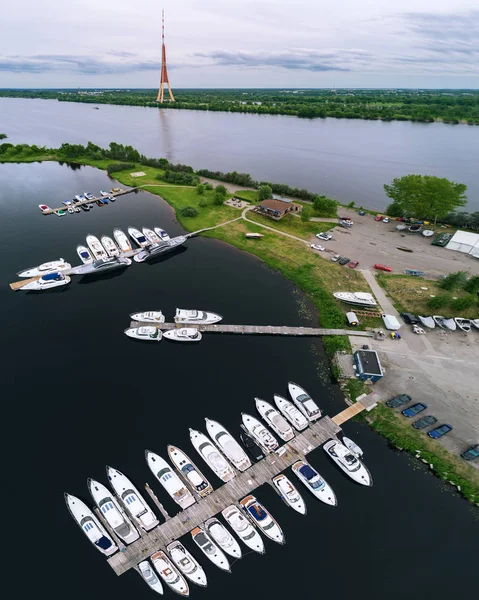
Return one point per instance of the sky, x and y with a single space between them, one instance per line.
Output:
240 43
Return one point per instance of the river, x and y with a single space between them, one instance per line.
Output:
345 159
78 394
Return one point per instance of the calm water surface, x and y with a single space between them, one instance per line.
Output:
345 159
77 395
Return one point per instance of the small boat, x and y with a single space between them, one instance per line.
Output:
96 248
80 198
161 233
223 537
60 213
289 493
103 264
230 447
439 320
151 236
169 573
84 255
187 564
350 445
138 237
254 236
67 203
90 525
112 513
313 481
450 323
70 210
43 207
150 316
289 410
110 246
86 207
111 198
428 233
274 419
147 333
414 228
348 462
211 455
104 193
122 240
210 549
475 322
76 209
359 298
464 324
263 437
185 334
48 281
89 195
44 268
169 480
251 446
199 317
131 499
100 202
243 528
190 471
154 250
263 519
149 575
304 402
427 321
104 200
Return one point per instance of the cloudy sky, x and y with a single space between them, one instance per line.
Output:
241 43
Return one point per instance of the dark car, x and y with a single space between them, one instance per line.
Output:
440 431
424 422
251 446
398 401
410 319
344 260
413 410
471 453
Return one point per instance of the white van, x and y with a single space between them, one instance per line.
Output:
390 322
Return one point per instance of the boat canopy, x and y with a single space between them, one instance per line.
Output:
257 512
103 543
52 277
307 471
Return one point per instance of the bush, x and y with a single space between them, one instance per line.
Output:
179 177
208 186
325 207
113 168
203 202
351 204
472 285
200 189
463 303
453 281
221 190
218 199
306 213
189 211
438 301
264 192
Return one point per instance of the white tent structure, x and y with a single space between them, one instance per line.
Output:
465 241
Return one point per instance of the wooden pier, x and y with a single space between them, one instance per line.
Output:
120 192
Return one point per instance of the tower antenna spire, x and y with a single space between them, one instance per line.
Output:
164 73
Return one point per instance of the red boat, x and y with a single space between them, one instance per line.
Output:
43 207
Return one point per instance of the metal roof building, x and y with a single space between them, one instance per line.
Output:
465 241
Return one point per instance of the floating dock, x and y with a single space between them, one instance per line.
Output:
121 192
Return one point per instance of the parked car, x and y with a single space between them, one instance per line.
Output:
471 453
410 319
324 236
344 261
382 267
336 257
385 220
346 224
424 422
414 410
345 219
361 213
398 400
317 247
440 431
353 264
378 218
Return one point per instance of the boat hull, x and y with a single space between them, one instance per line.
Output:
223 537
55 266
170 574
151 316
325 494
268 524
122 240
37 286
112 512
169 480
289 494
136 333
291 413
361 475
307 406
196 317
187 564
211 455
176 335
275 420
189 471
243 528
209 548
427 321
258 431
110 246
228 445
95 247
149 576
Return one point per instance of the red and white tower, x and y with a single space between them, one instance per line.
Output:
164 73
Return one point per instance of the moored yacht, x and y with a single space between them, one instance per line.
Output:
289 410
211 455
149 575
96 248
210 549
358 298
55 266
110 246
187 564
350 445
348 462
161 233
464 324
146 333
261 517
243 528
103 264
190 471
48 281
151 236
163 247
223 537
149 316
265 439
274 419
304 402
199 317
184 334
314 482
169 480
138 236
289 493
90 525
427 321
169 573
122 240
230 447
84 255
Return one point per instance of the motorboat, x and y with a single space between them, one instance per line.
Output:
80 198
439 321
350 445
155 250
304 402
210 549
450 324
313 481
187 468
289 493
48 281
211 455
186 563
76 209
70 210
151 236
122 240
101 201
43 207
138 237
428 233
96 248
228 445
169 480
475 322
89 195
131 499
86 207
263 437
110 198
149 575
274 419
169 573
149 316
103 264
112 513
110 246
67 203
104 193
261 517
146 333
161 233
60 212
185 334
358 298
464 324
251 446
289 410
48 267
414 228
243 528
90 525
198 317
223 537
348 462
427 321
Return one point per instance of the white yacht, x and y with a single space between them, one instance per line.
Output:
314 482
149 316
274 419
80 198
112 513
185 334
187 564
304 402
155 250
48 281
89 195
263 519
289 410
84 255
169 480
104 193
147 333
138 237
55 266
169 573
350 445
243 528
427 321
132 500
151 236
96 248
190 471
464 324
348 462
289 493
122 240
265 439
230 447
199 317
210 549
103 264
358 298
211 455
161 233
223 537
90 525
149 575
110 246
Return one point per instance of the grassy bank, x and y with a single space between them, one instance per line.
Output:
294 225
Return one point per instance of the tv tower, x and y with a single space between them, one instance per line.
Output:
164 73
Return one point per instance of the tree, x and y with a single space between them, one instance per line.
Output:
264 192
3 136
306 213
425 196
208 186
220 189
325 207
189 211
219 198
200 189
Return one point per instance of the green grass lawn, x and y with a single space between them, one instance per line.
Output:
293 225
250 195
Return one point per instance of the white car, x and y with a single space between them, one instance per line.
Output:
317 247
324 236
385 220
336 257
